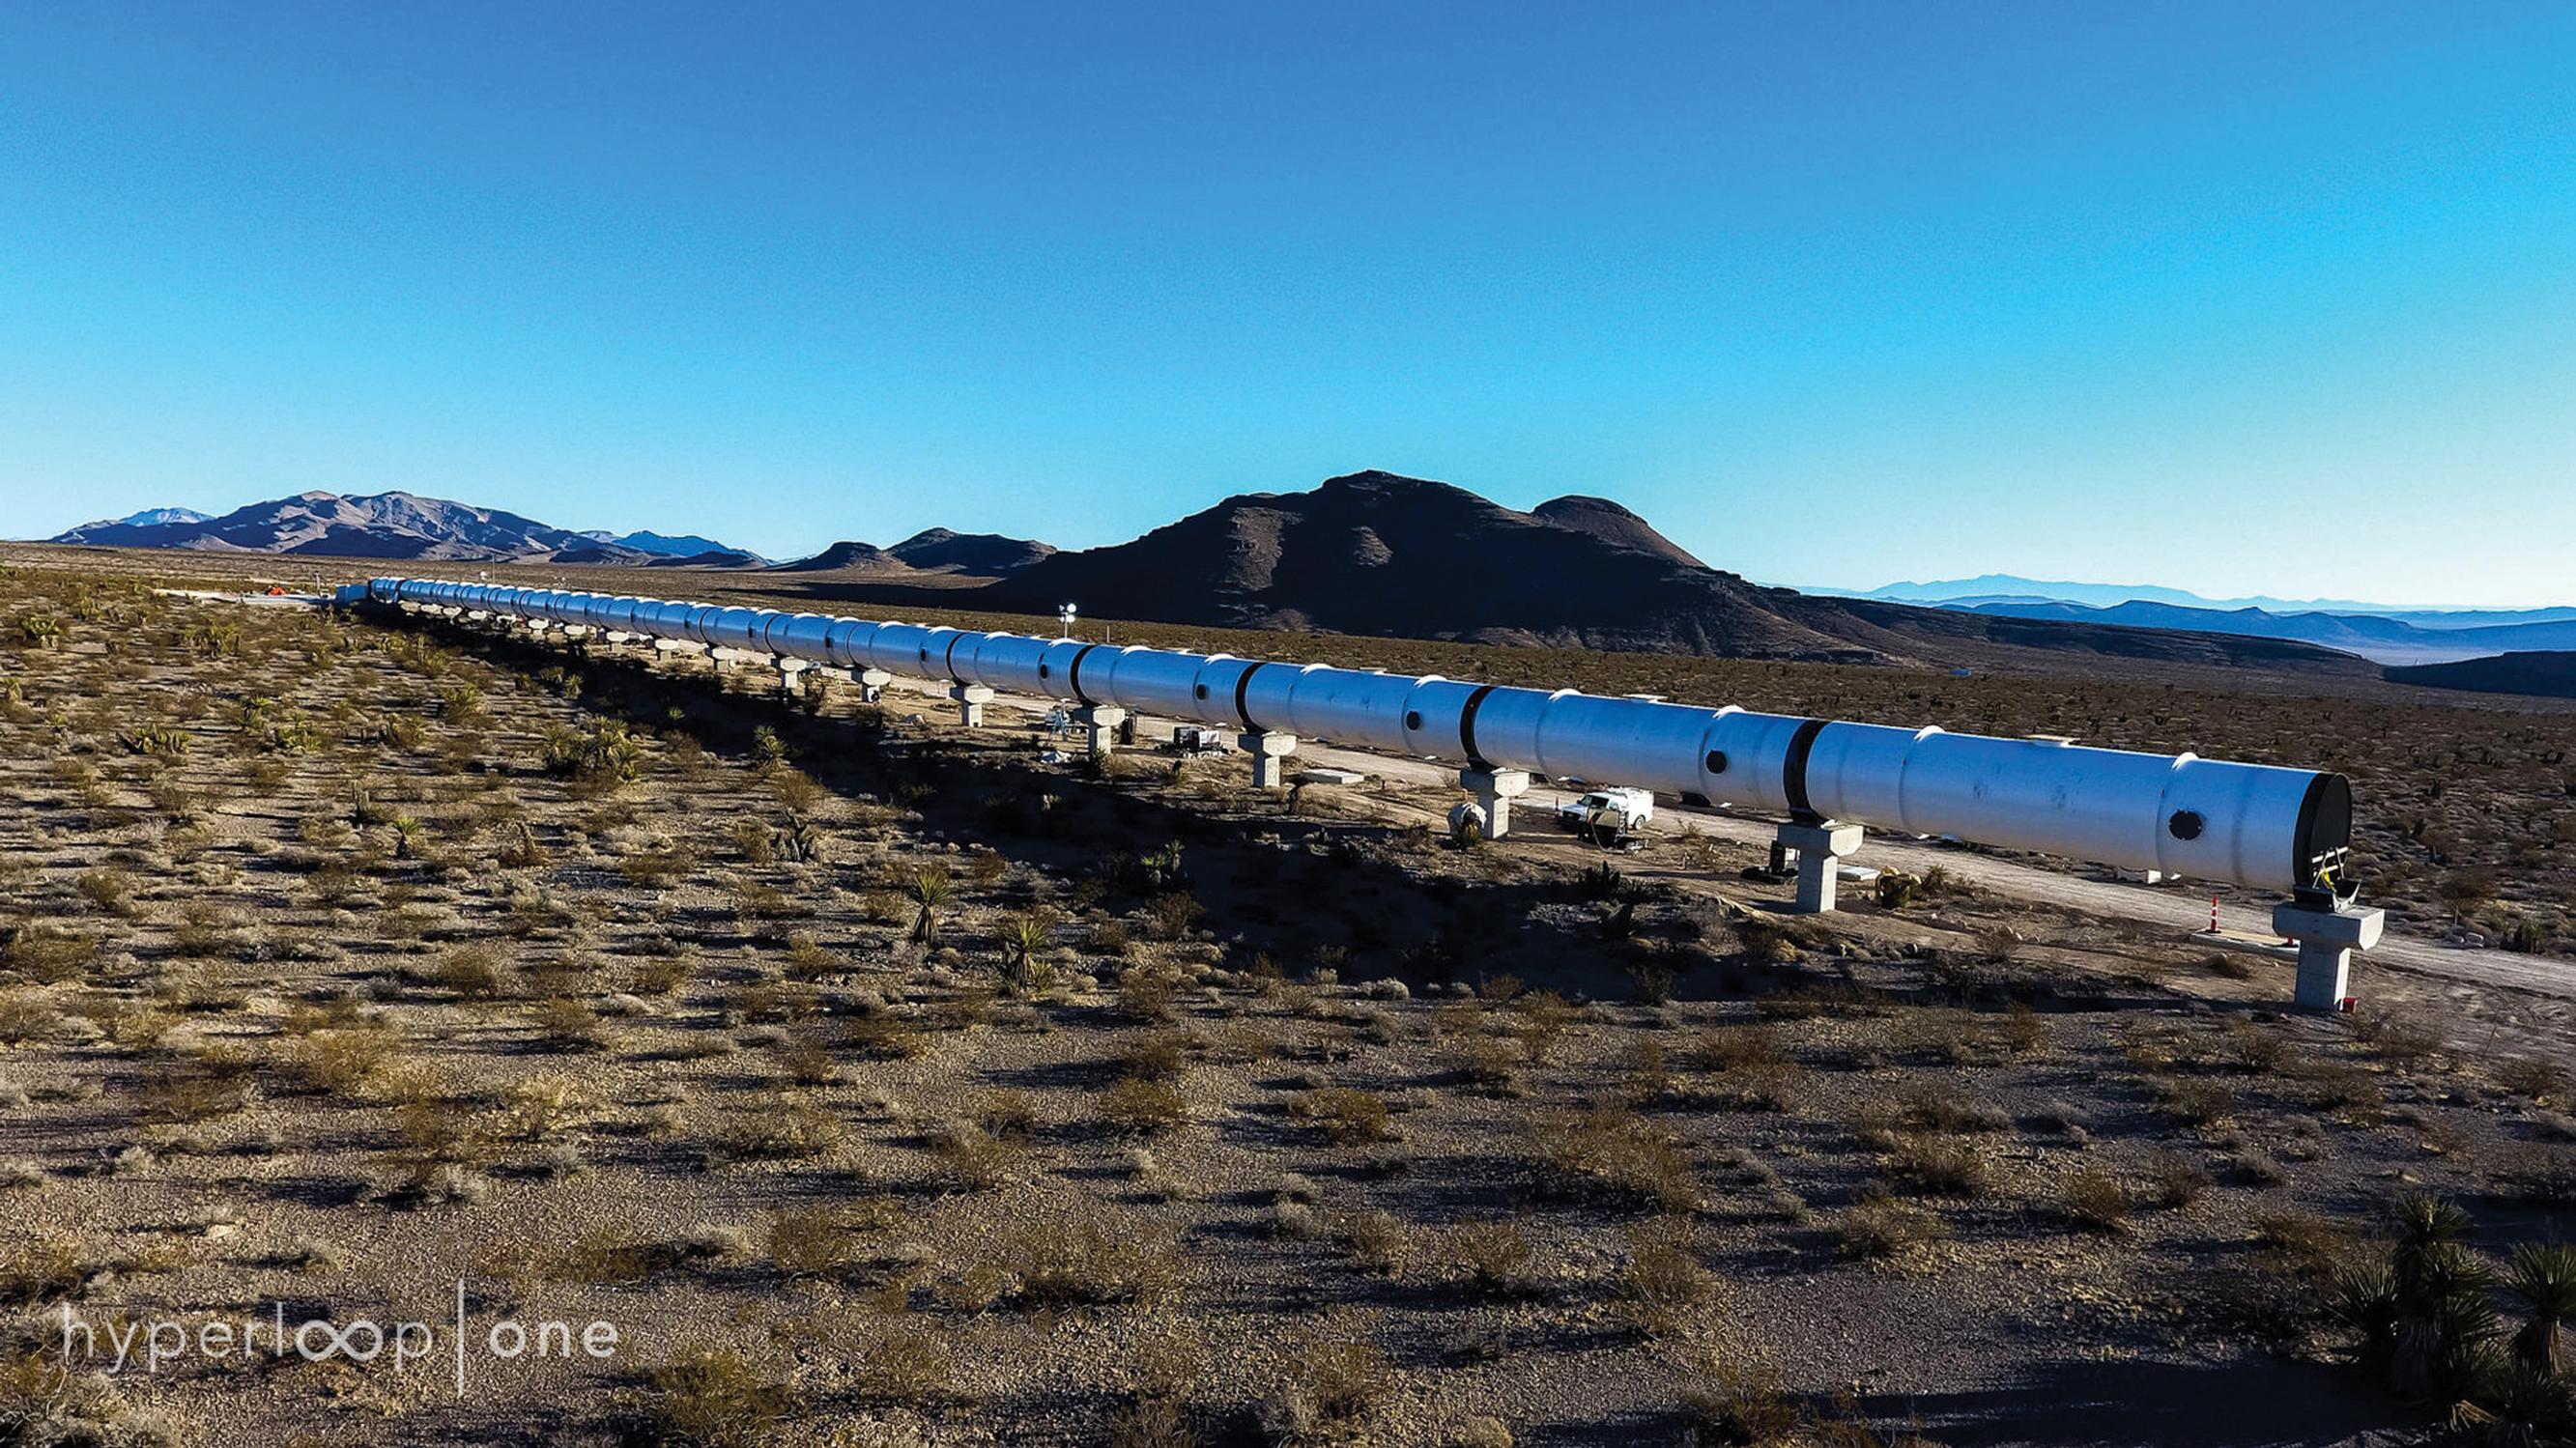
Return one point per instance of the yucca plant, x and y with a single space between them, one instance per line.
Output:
2542 1278
1028 934
931 891
2444 1317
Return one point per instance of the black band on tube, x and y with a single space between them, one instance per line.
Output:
1073 678
1793 770
1467 726
1243 710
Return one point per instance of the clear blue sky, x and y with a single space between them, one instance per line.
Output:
2239 297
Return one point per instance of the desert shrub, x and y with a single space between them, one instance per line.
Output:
1880 1230
1336 1378
658 975
605 753
1007 1116
204 930
1741 1406
1611 1152
1930 1107
2179 1180
1375 1239
814 1242
565 1024
48 953
1663 1280
807 1060
107 887
656 867
1538 1020
2094 1200
549 1102
1132 1104
1079 1260
474 972
1482 1062
1162 1056
1495 1255
709 1397
343 1060
798 1130
1145 993
1345 1116
899 1360
208 1083
40 1266
970 1159
2195 1103
1943 1166
1172 913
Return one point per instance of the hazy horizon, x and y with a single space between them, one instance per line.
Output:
2267 302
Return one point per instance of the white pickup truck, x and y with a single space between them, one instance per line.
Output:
1622 808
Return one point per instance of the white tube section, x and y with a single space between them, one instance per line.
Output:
2252 824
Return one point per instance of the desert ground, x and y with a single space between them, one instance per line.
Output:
880 1082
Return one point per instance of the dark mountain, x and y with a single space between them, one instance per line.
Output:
2380 638
989 555
1374 553
2547 672
1612 523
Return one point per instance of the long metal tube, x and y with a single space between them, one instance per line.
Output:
2252 824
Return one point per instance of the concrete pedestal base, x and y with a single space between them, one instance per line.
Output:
1269 757
2327 939
791 677
1099 725
971 699
872 685
1494 791
1818 849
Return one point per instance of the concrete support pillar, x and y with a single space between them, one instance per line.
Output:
971 699
1818 847
872 685
2327 938
1099 725
1495 789
1269 757
791 677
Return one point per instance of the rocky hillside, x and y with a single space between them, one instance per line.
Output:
933 550
2550 672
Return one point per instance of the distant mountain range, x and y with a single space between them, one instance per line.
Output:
2375 632
2013 585
1377 553
396 525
